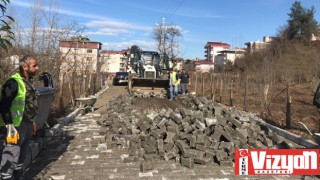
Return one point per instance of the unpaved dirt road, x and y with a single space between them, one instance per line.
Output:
104 98
143 105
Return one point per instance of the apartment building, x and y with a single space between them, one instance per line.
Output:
254 46
228 55
212 49
114 61
80 53
204 66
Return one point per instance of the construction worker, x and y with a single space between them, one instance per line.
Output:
18 107
140 66
184 76
174 82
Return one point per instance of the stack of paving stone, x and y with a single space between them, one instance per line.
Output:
117 119
207 133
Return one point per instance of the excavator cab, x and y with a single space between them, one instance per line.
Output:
146 70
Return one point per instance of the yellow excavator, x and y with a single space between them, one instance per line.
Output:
147 70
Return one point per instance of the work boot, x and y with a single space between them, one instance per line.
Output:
18 173
6 176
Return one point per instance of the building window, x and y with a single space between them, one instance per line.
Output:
89 58
89 50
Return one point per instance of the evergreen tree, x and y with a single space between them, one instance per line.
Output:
302 22
5 28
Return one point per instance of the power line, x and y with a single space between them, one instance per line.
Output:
171 6
175 10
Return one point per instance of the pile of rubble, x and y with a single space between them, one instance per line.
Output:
206 133
142 94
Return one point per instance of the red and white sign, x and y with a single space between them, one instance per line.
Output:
277 162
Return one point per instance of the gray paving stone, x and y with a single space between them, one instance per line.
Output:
73 146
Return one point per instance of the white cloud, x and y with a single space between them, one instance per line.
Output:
22 4
147 34
45 31
60 10
117 25
114 28
109 32
85 15
105 26
145 45
192 12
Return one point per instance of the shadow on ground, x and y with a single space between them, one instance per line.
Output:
54 147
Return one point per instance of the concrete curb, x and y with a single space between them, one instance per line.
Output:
69 118
56 129
288 135
66 120
37 146
281 132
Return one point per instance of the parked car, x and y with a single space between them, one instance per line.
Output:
120 78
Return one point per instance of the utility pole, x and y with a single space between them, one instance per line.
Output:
163 44
163 35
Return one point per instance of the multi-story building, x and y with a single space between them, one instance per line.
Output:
178 63
228 55
114 61
258 45
204 66
80 54
212 50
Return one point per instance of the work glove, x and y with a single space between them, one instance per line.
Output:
34 129
12 134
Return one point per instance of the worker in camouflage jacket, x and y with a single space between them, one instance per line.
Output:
18 108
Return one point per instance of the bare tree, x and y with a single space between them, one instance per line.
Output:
38 32
167 40
40 35
174 32
157 35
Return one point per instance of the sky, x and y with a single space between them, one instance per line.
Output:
119 24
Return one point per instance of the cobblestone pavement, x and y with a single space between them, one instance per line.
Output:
79 153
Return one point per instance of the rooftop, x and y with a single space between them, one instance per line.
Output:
114 51
79 39
203 62
232 51
219 43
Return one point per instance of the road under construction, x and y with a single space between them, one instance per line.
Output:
129 137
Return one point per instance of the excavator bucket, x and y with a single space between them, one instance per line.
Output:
147 84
